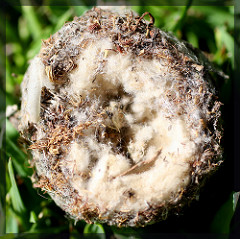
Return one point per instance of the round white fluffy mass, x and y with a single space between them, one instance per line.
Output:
122 119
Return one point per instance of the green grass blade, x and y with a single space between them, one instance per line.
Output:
93 228
180 23
33 217
224 39
18 157
11 221
222 219
19 211
2 214
95 231
16 199
192 38
33 23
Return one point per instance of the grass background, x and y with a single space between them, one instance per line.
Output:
209 28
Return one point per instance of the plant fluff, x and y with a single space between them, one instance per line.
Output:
122 119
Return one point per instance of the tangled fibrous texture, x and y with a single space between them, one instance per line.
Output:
121 118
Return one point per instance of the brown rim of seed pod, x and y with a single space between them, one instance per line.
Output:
122 119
